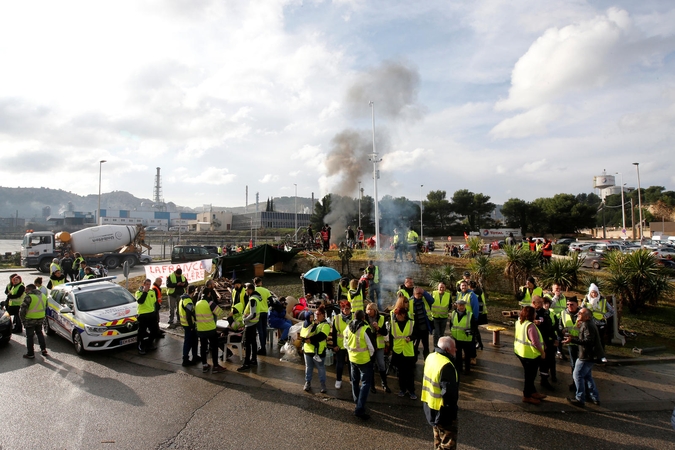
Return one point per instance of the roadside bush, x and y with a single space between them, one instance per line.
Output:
520 264
446 274
562 271
483 267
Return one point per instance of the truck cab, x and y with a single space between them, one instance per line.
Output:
37 250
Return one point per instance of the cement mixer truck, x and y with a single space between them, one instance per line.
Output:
109 245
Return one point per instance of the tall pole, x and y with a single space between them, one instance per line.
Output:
623 210
373 158
359 204
421 212
296 211
637 168
98 212
632 219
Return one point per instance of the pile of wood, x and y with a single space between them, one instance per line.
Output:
222 287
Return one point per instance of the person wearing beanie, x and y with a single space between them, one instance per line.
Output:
175 287
602 311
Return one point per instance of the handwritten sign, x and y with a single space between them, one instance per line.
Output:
193 271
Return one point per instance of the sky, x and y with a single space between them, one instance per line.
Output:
521 99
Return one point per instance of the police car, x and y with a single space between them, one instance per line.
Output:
94 314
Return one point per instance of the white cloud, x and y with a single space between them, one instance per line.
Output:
210 175
406 161
532 122
268 178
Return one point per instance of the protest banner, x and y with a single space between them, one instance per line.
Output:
193 271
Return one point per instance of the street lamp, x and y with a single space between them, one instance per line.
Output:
359 204
373 158
637 169
98 213
296 211
623 210
421 212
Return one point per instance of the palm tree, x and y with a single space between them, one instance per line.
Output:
483 267
637 279
520 264
562 271
446 274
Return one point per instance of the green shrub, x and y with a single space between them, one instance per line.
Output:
446 274
561 249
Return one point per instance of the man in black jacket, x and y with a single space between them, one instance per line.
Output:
440 380
590 350
545 325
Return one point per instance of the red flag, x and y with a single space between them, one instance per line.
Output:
466 236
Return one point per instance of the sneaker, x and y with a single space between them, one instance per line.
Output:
205 368
141 351
307 387
401 394
386 389
45 352
338 384
323 389
218 369
595 401
413 396
29 356
243 368
603 360
575 402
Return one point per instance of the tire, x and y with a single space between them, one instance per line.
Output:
112 262
596 265
77 342
47 328
44 265
131 260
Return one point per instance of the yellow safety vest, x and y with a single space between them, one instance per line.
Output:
599 313
238 318
467 298
356 301
174 280
356 345
431 383
560 304
340 327
522 345
527 300
400 345
412 237
56 282
205 319
247 310
148 306
15 290
77 262
380 323
460 327
182 311
36 309
441 306
566 320
482 304
53 267
306 332
376 275
265 294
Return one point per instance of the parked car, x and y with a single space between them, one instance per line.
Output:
565 241
429 245
94 314
580 246
211 248
665 252
145 259
188 253
668 264
601 248
592 260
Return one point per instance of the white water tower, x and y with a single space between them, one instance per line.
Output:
602 182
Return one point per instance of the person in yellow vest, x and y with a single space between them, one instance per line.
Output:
343 288
568 321
340 322
32 312
553 345
263 308
55 279
360 350
176 283
88 273
147 317
602 310
313 335
378 329
77 262
412 238
421 304
407 288
15 292
251 318
238 293
528 345
460 328
525 293
54 266
356 295
188 320
482 317
374 285
40 287
558 303
465 277
440 310
440 392
473 308
206 313
402 351
399 245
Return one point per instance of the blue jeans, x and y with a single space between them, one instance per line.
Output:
583 378
361 373
309 369
190 342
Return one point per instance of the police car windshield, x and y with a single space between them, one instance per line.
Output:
103 298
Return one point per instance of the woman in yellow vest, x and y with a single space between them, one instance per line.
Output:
314 334
378 328
528 345
15 292
403 352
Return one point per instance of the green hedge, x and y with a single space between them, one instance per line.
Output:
561 249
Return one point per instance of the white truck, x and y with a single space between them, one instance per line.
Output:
109 245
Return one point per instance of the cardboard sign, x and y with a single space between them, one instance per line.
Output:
193 271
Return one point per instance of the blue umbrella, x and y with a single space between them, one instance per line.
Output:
322 274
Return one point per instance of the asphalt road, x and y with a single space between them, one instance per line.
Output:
103 401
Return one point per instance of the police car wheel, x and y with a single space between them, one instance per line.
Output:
77 342
47 328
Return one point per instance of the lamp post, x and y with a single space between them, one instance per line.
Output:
637 169
359 204
373 158
623 210
421 212
98 213
296 211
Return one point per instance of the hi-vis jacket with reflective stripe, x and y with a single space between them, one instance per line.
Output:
431 384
